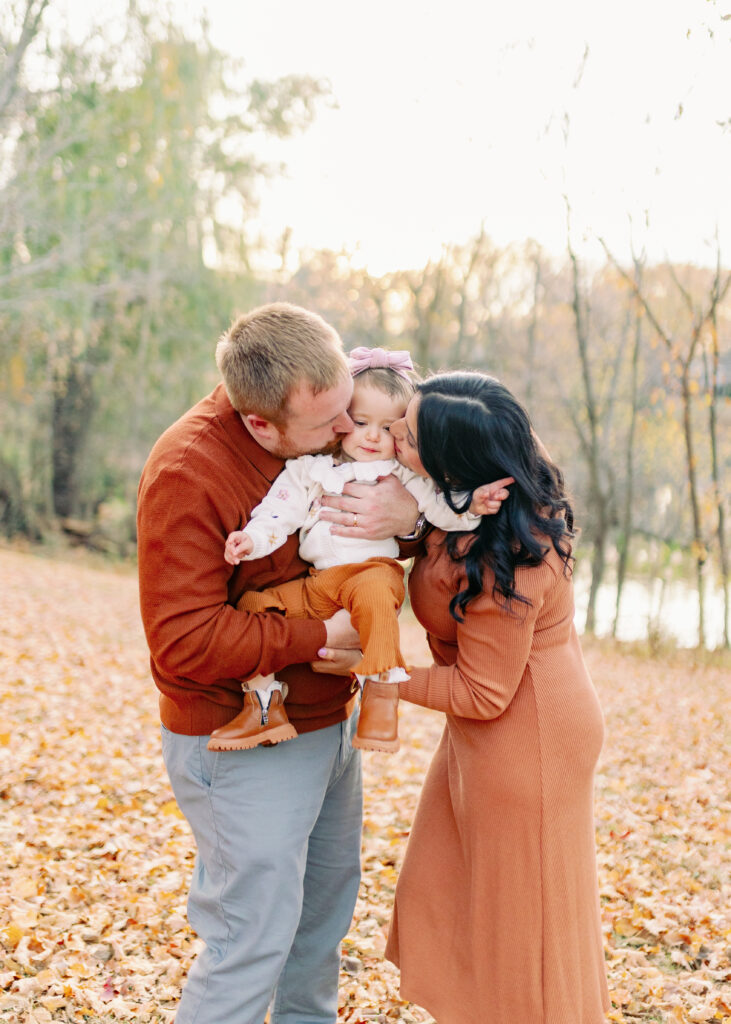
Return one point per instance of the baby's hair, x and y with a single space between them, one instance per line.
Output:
391 383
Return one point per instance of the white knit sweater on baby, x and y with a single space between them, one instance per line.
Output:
294 501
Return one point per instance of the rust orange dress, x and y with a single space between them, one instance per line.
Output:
496 919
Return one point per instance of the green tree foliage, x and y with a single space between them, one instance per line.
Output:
120 167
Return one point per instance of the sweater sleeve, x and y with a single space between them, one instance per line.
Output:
493 647
433 504
282 511
192 630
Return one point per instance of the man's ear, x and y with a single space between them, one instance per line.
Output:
262 429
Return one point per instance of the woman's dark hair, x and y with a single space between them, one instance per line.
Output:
470 431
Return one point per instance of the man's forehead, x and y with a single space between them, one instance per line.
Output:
304 404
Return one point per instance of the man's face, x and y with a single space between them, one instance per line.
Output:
314 423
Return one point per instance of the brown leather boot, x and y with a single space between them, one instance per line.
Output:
378 721
254 725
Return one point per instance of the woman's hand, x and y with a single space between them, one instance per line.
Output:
374 512
337 662
340 632
488 499
342 650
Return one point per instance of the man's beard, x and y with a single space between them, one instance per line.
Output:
289 449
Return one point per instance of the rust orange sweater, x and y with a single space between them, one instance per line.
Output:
201 481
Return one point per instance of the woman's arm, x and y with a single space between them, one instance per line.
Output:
433 504
493 647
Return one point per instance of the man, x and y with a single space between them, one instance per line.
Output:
277 828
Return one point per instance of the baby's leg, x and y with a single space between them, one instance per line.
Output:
262 720
373 593
374 596
289 598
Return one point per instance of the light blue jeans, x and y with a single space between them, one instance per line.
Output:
276 873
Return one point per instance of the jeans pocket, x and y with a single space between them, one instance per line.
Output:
187 758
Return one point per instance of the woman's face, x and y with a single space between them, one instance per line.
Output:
403 432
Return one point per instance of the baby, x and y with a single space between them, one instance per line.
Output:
360 575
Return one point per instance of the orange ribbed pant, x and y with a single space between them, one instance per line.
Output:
371 591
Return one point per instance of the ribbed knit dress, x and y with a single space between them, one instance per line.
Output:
496 919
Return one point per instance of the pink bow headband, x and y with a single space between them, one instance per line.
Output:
361 359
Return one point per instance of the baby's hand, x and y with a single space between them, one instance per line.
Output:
238 544
488 499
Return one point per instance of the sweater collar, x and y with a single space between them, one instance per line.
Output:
268 464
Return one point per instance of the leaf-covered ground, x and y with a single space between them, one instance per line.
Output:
96 857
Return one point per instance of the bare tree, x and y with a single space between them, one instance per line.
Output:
590 431
681 357
479 269
427 288
712 382
626 521
28 15
537 288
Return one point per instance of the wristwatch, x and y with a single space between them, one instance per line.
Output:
421 526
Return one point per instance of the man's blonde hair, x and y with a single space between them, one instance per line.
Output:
268 352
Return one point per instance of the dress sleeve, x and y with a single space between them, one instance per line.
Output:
433 504
493 646
281 512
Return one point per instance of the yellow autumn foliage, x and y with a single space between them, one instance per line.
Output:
97 857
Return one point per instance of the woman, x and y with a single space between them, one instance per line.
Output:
496 919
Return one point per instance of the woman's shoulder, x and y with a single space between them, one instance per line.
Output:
552 570
555 561
535 581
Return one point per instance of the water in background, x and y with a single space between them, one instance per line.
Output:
671 607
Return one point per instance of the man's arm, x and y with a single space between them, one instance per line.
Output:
192 630
381 510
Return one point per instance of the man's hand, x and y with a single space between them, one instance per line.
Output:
373 512
342 650
488 499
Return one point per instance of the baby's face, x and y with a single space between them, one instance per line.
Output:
372 411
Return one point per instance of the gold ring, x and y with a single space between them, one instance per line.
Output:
355 519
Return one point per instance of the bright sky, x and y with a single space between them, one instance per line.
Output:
453 113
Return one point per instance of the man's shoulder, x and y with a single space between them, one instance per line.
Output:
197 434
191 422
209 450
189 444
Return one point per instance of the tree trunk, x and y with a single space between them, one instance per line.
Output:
699 548
73 403
598 563
599 495
625 537
532 335
712 387
13 518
